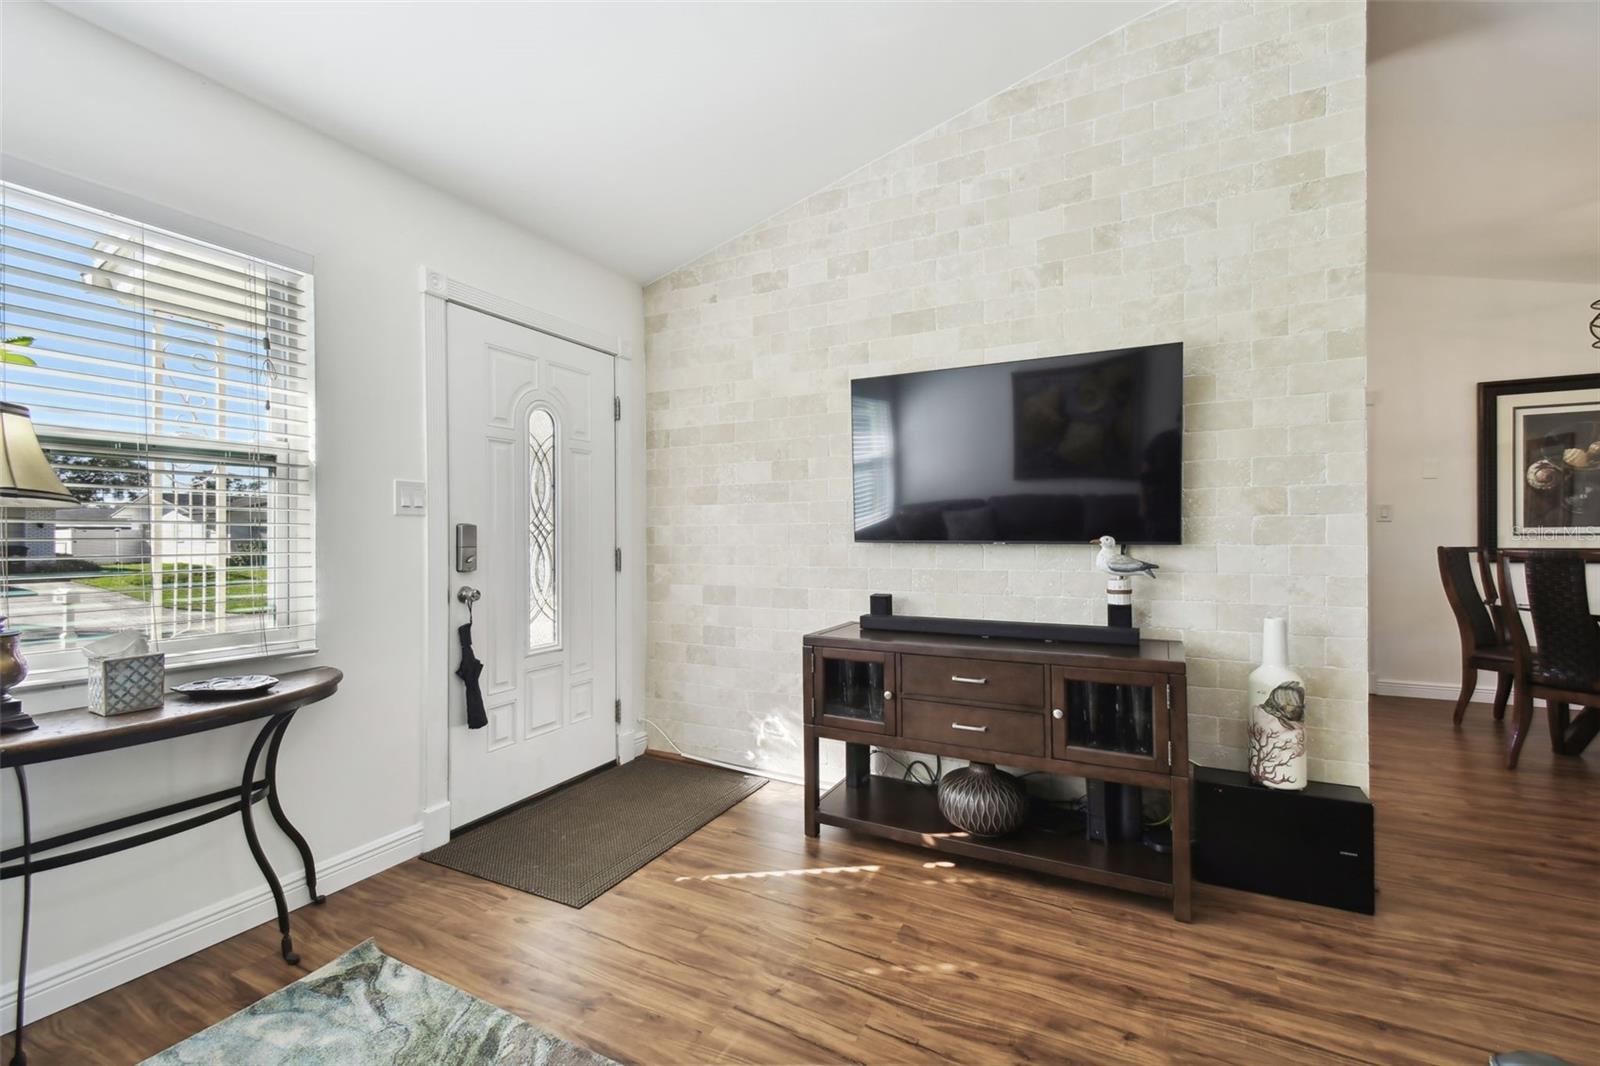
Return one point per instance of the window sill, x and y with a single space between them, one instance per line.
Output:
64 690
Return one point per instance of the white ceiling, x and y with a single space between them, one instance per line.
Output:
1484 139
639 135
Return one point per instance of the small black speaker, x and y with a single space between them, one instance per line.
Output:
1130 813
1314 845
1113 811
1098 801
882 603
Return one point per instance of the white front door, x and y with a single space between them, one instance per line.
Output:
532 465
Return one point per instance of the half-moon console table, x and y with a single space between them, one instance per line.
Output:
1103 713
67 734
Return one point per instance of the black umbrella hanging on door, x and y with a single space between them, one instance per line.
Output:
470 666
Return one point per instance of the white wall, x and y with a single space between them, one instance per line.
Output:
1484 142
1198 176
1433 338
85 104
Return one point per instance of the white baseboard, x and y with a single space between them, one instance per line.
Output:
75 980
637 743
1431 690
436 826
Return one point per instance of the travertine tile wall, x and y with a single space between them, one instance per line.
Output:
1199 175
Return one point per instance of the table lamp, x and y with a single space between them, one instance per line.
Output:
27 481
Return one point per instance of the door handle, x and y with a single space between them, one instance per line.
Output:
468 595
969 680
969 728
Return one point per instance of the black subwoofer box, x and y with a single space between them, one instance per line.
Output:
1314 845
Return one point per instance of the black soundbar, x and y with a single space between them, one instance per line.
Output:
1126 637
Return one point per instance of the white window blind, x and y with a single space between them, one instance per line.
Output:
872 444
170 382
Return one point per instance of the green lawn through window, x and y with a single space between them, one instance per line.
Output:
186 587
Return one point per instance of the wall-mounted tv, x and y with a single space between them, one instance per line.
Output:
1039 451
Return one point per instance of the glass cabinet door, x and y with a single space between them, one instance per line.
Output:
854 690
1111 718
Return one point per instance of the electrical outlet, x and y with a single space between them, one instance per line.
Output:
1386 512
410 498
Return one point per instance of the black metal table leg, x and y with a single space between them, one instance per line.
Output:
250 837
282 819
18 1056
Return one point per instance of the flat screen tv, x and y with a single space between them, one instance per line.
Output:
1040 451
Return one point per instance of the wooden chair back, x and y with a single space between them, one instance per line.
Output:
1491 593
1478 627
1564 630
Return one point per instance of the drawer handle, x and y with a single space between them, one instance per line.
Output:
969 728
969 680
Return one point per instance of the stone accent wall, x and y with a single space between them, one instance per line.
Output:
1199 175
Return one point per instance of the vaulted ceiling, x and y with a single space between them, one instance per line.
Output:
639 135
1484 139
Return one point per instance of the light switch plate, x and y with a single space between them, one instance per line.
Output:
410 498
1430 468
1385 512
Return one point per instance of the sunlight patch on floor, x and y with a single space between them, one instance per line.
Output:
761 874
942 967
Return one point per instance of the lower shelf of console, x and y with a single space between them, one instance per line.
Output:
908 813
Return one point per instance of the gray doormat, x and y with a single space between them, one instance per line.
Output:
578 843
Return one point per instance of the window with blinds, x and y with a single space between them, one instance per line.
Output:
170 383
872 445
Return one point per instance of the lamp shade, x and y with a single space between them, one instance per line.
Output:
26 477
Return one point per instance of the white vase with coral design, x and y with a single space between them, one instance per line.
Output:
1277 713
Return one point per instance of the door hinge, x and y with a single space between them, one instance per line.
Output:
616 408
619 560
619 712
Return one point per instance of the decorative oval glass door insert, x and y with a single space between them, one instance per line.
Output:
543 590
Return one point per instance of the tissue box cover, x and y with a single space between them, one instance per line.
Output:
132 683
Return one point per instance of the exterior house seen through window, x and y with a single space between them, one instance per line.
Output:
170 382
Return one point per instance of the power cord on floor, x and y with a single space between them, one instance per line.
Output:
716 762
911 769
664 736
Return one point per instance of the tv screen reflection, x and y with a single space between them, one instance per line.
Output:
1058 450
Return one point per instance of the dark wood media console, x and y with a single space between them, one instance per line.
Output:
1099 712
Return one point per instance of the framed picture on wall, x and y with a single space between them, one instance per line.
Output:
1539 462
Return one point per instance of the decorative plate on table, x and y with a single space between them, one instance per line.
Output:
227 688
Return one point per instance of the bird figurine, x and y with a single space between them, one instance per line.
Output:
1114 561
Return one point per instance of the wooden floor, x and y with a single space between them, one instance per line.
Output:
749 943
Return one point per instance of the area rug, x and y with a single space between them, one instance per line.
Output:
575 844
365 1009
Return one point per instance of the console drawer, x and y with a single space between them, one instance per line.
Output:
978 680
982 728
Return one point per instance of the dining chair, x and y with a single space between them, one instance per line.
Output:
1491 593
1483 641
1562 665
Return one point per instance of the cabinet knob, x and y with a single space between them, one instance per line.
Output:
888 695
1056 713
